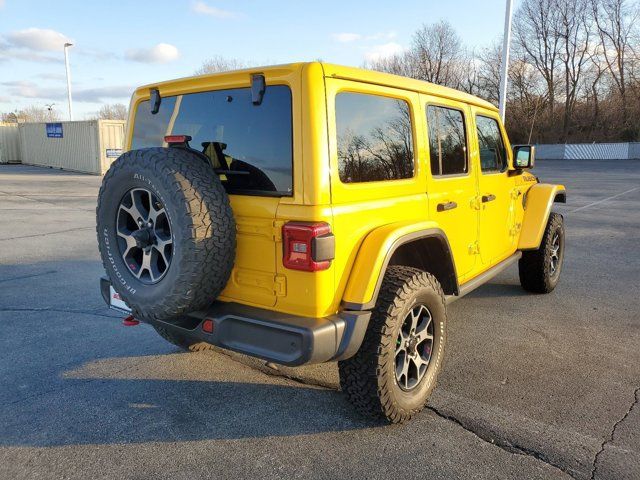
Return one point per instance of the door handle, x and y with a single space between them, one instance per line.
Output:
488 198
446 206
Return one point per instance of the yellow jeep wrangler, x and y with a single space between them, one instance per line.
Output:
311 213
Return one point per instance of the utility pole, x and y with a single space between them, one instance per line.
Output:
66 64
504 74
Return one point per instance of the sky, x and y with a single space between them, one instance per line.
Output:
119 45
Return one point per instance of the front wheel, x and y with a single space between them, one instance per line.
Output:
395 370
540 269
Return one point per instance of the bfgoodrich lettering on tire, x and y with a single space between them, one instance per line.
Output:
396 368
166 231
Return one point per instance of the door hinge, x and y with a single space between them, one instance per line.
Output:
474 248
476 203
513 231
277 230
280 285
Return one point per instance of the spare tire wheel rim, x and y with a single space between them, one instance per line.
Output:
414 346
144 235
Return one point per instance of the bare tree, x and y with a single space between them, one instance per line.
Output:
439 54
574 73
436 55
398 64
113 111
536 25
219 63
574 28
32 113
489 59
615 21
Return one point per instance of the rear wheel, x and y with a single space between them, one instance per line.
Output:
540 269
395 370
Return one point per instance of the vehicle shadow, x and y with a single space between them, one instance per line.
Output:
133 411
495 290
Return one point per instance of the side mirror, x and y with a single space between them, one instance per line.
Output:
524 156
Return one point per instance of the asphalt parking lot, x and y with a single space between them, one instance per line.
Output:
533 387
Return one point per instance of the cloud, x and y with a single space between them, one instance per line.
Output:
206 9
27 55
100 94
27 89
51 76
161 53
346 37
38 39
96 53
383 51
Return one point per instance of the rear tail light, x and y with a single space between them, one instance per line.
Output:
207 325
307 246
177 139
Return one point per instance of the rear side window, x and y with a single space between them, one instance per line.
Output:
447 141
375 140
493 154
254 141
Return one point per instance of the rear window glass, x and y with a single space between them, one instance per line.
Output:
253 143
375 140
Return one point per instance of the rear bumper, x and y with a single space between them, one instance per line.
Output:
272 336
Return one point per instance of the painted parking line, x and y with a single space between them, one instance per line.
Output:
603 200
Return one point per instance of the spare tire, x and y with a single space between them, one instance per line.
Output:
166 231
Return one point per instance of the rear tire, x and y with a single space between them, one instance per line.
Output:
540 269
374 379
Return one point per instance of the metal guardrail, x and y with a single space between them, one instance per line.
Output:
589 151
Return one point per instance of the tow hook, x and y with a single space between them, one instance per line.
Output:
130 321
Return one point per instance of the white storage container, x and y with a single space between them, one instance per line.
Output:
85 146
9 143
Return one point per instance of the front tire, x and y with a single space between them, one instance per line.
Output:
395 370
540 269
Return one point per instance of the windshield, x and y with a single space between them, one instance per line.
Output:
252 143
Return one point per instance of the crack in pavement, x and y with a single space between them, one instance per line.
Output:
32 275
609 439
503 443
27 197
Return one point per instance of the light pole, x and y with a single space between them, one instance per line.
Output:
66 64
504 74
49 109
